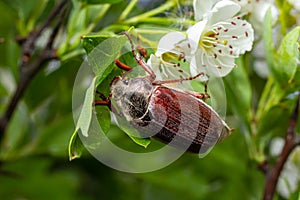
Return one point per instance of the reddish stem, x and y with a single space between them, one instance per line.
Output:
291 141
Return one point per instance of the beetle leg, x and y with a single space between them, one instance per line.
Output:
178 80
101 95
202 96
122 65
101 103
205 87
104 100
206 95
139 60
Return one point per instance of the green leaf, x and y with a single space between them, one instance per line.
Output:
83 123
144 142
268 38
103 50
285 64
75 146
108 72
85 116
89 42
103 116
104 54
132 132
271 96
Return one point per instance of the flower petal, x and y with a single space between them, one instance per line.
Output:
194 34
246 5
166 70
155 63
213 66
223 10
237 33
195 70
201 8
168 42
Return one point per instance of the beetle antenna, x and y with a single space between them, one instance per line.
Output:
132 46
179 80
205 86
139 60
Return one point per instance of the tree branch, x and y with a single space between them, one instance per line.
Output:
291 141
29 68
29 43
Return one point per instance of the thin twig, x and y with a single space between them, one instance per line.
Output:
28 45
291 141
29 68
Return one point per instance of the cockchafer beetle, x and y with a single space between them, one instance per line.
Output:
163 112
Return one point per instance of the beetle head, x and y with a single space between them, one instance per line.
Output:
131 96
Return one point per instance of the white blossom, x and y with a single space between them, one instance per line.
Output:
256 9
173 49
218 39
210 46
201 8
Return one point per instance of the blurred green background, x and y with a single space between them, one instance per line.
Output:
34 162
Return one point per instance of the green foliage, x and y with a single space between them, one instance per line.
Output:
287 59
30 172
86 113
83 123
108 51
